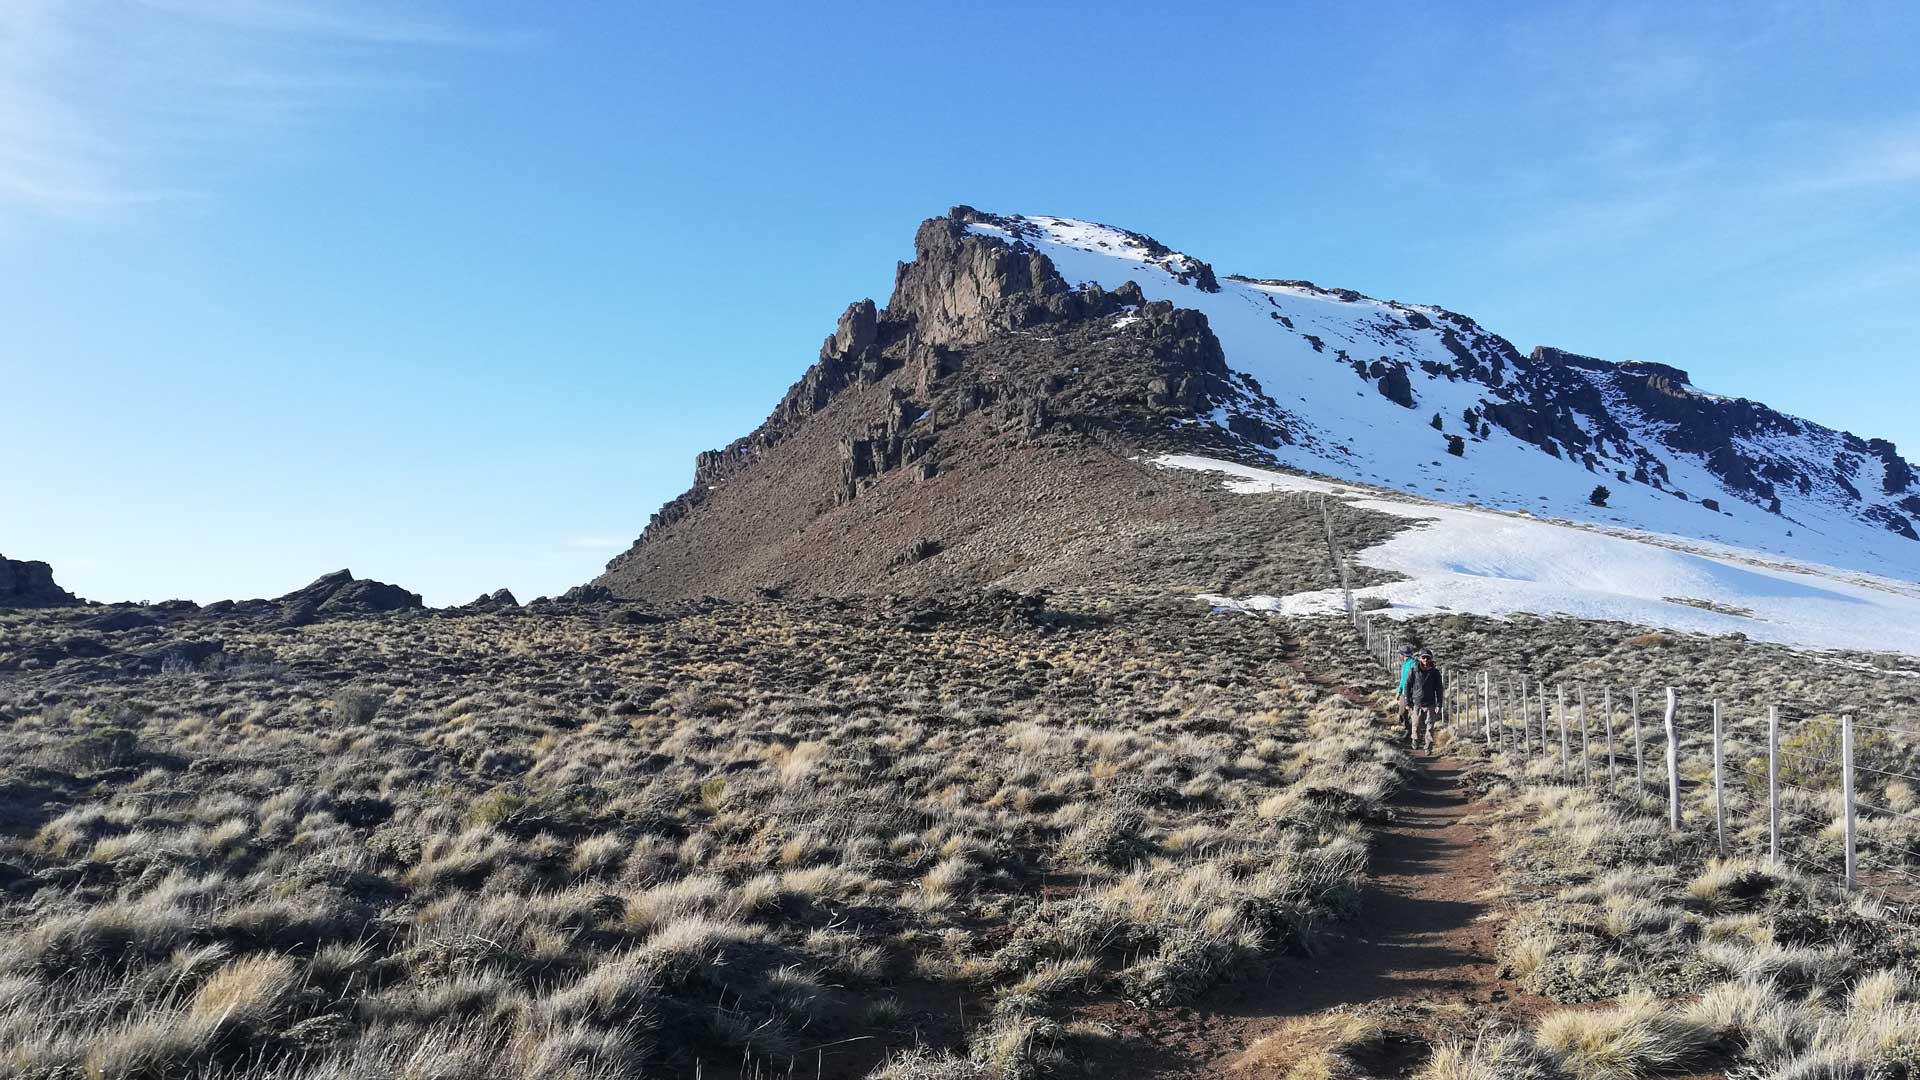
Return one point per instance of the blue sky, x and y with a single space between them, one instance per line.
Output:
452 294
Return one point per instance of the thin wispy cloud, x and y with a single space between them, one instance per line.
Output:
373 25
1797 187
1888 158
1596 61
108 106
1646 106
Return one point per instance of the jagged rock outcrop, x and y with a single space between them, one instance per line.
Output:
30 584
586 594
962 288
340 593
497 600
884 446
1390 378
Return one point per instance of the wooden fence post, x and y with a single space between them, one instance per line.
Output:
1586 741
1606 711
1486 705
1846 795
1566 752
1496 717
1540 695
1639 759
1523 718
1719 781
1518 708
1673 761
1773 784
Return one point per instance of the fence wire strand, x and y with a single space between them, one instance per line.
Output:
1525 735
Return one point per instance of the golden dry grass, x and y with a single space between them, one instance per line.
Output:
599 844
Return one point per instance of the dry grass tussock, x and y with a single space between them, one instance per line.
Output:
1324 1046
615 842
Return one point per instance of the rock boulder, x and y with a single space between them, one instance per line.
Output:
29 584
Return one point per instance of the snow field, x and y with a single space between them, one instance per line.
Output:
1460 559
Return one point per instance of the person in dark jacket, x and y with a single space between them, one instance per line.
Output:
1424 695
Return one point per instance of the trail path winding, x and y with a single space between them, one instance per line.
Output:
1419 942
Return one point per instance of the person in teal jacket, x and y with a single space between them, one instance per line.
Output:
1406 672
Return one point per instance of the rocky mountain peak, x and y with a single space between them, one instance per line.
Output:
1007 330
961 287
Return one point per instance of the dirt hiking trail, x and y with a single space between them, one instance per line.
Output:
1418 948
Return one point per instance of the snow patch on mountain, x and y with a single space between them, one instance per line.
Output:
1402 396
1483 562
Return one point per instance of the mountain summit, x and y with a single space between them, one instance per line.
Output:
994 408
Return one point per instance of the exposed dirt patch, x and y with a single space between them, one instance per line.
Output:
1420 956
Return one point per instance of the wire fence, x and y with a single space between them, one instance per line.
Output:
1816 792
1797 784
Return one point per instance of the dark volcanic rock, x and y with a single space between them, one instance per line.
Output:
1393 383
497 600
1899 475
174 654
30 584
859 328
48 653
79 645
962 287
118 619
340 593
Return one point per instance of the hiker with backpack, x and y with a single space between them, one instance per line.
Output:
1422 696
1400 692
